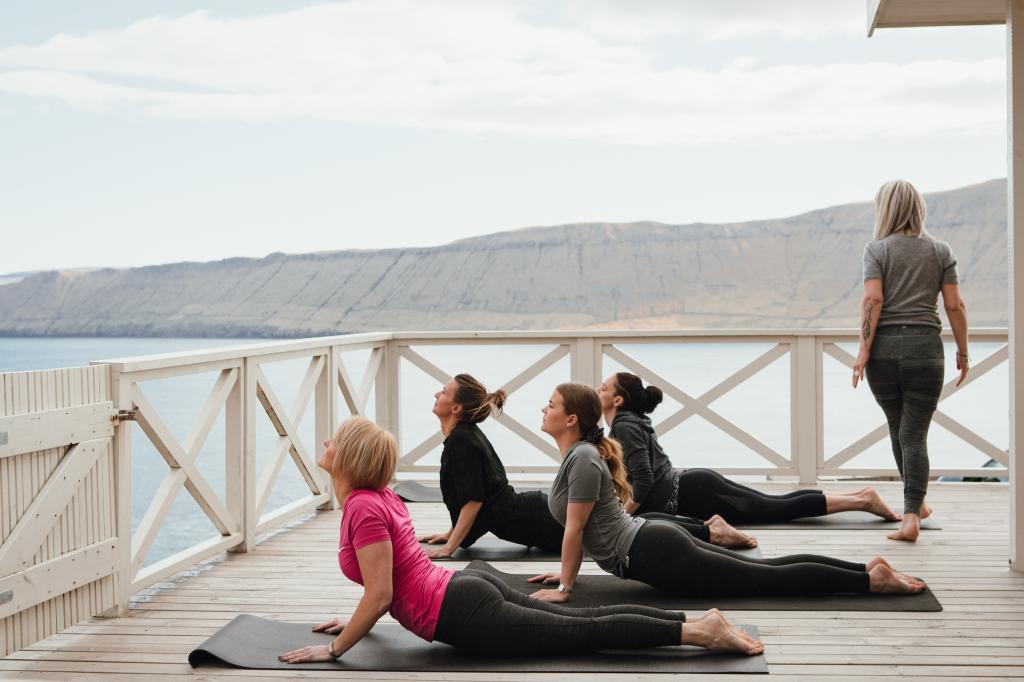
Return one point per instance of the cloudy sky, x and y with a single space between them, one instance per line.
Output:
136 133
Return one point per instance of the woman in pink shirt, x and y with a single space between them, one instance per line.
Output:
378 549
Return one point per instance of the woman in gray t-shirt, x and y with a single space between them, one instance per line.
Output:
586 498
905 269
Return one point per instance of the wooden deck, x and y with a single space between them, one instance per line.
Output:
293 575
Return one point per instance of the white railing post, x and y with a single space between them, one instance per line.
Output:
122 399
234 452
583 361
805 406
245 494
386 392
326 417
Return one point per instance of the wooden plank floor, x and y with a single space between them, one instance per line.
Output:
293 575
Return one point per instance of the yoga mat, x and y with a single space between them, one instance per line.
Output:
848 520
606 590
491 548
411 491
255 643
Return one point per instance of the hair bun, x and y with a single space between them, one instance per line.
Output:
497 400
652 398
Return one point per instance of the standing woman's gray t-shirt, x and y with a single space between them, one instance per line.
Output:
913 271
609 533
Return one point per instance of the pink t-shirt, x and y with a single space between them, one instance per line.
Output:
418 584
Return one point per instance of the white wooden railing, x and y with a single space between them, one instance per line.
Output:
52 421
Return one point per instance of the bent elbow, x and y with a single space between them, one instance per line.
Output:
872 300
959 306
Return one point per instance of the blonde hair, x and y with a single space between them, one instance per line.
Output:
583 401
898 207
365 453
477 403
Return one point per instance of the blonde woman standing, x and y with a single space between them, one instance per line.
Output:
905 269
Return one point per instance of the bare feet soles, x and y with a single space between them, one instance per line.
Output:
712 631
885 580
909 529
874 503
724 535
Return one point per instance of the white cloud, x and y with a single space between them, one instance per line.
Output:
718 20
483 67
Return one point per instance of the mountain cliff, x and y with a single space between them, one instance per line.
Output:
802 271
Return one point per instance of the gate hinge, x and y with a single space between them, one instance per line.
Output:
124 415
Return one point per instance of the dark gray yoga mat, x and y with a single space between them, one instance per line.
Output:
255 643
607 590
411 491
848 520
491 548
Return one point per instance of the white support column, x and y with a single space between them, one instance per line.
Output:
386 392
1015 251
583 361
804 398
124 575
234 451
326 419
245 494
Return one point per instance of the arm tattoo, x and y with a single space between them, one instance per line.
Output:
866 327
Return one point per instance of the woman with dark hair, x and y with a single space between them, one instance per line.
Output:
468 609
477 493
659 489
586 498
474 485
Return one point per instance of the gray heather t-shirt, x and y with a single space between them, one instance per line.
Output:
913 271
584 477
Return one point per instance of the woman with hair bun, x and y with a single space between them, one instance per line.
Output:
660 489
586 498
474 485
477 493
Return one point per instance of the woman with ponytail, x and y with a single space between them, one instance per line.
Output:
586 498
659 489
474 485
477 493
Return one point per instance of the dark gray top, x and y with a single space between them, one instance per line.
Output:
913 271
584 477
648 468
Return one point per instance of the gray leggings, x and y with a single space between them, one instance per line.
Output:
906 372
481 614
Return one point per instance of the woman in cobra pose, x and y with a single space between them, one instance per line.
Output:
586 495
658 488
477 493
905 269
466 609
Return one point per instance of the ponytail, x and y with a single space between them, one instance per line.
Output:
583 401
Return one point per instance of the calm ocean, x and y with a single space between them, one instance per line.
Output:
760 406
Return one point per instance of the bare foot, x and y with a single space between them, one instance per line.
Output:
724 535
909 529
875 562
713 632
926 511
884 580
874 503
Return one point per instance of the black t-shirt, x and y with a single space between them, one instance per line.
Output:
472 472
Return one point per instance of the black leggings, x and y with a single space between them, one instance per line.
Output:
530 523
704 493
482 614
670 560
